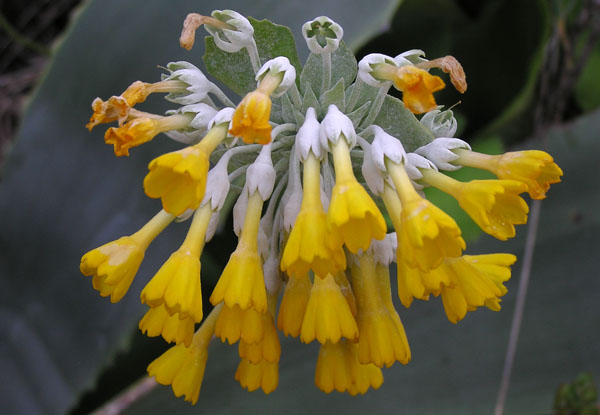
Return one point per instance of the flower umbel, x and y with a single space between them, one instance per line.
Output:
319 156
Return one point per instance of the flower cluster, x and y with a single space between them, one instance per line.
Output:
321 164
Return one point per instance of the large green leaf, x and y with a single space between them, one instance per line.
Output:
456 369
63 192
235 69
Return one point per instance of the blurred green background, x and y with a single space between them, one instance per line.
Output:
533 71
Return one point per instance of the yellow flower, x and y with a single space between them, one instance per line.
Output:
353 216
293 305
267 349
179 178
380 341
116 108
242 281
534 168
134 133
177 282
263 375
382 273
251 118
328 316
426 234
157 322
417 87
177 286
114 265
475 281
234 324
307 246
495 205
342 281
183 367
338 368
414 283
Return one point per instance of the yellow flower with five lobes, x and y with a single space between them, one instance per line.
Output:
328 316
534 168
380 342
242 281
416 84
158 322
236 324
264 375
268 347
179 178
426 234
338 369
307 248
183 367
495 205
475 281
353 216
293 305
114 265
251 117
177 282
414 283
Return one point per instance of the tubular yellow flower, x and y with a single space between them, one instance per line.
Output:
116 108
183 367
177 283
293 305
328 316
307 248
426 234
413 283
157 322
251 117
267 349
353 216
263 375
475 281
342 281
416 84
114 265
338 368
242 281
234 324
534 168
382 273
179 178
380 342
495 205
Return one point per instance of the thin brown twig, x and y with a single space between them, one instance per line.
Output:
122 401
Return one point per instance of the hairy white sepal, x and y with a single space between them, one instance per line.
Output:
292 197
307 138
370 171
385 146
217 185
198 84
197 128
260 176
440 152
365 69
414 164
272 273
410 57
231 40
275 66
334 125
384 251
331 43
440 123
239 211
224 116
213 224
